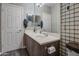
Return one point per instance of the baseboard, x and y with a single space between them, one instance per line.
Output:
1 53
12 50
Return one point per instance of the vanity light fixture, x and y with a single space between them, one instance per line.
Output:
39 4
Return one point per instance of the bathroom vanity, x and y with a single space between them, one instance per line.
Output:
37 44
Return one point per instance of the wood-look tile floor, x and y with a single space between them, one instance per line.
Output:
18 52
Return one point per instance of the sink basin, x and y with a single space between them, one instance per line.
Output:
40 36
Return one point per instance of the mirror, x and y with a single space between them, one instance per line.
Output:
49 14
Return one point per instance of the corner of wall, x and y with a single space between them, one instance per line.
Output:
0 27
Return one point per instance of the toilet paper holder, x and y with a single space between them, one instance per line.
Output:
49 49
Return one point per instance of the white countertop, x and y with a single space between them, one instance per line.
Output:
41 38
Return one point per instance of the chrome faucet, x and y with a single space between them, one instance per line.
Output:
34 29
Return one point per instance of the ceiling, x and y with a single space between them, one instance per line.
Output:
25 4
50 4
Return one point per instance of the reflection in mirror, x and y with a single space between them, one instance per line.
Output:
49 14
37 20
28 21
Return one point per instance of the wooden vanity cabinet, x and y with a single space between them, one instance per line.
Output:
35 49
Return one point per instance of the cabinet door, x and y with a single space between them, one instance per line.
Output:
29 45
32 46
24 40
36 49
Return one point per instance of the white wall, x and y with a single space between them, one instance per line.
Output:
56 18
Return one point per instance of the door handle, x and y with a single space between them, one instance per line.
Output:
19 31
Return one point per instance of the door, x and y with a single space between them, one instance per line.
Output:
12 27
